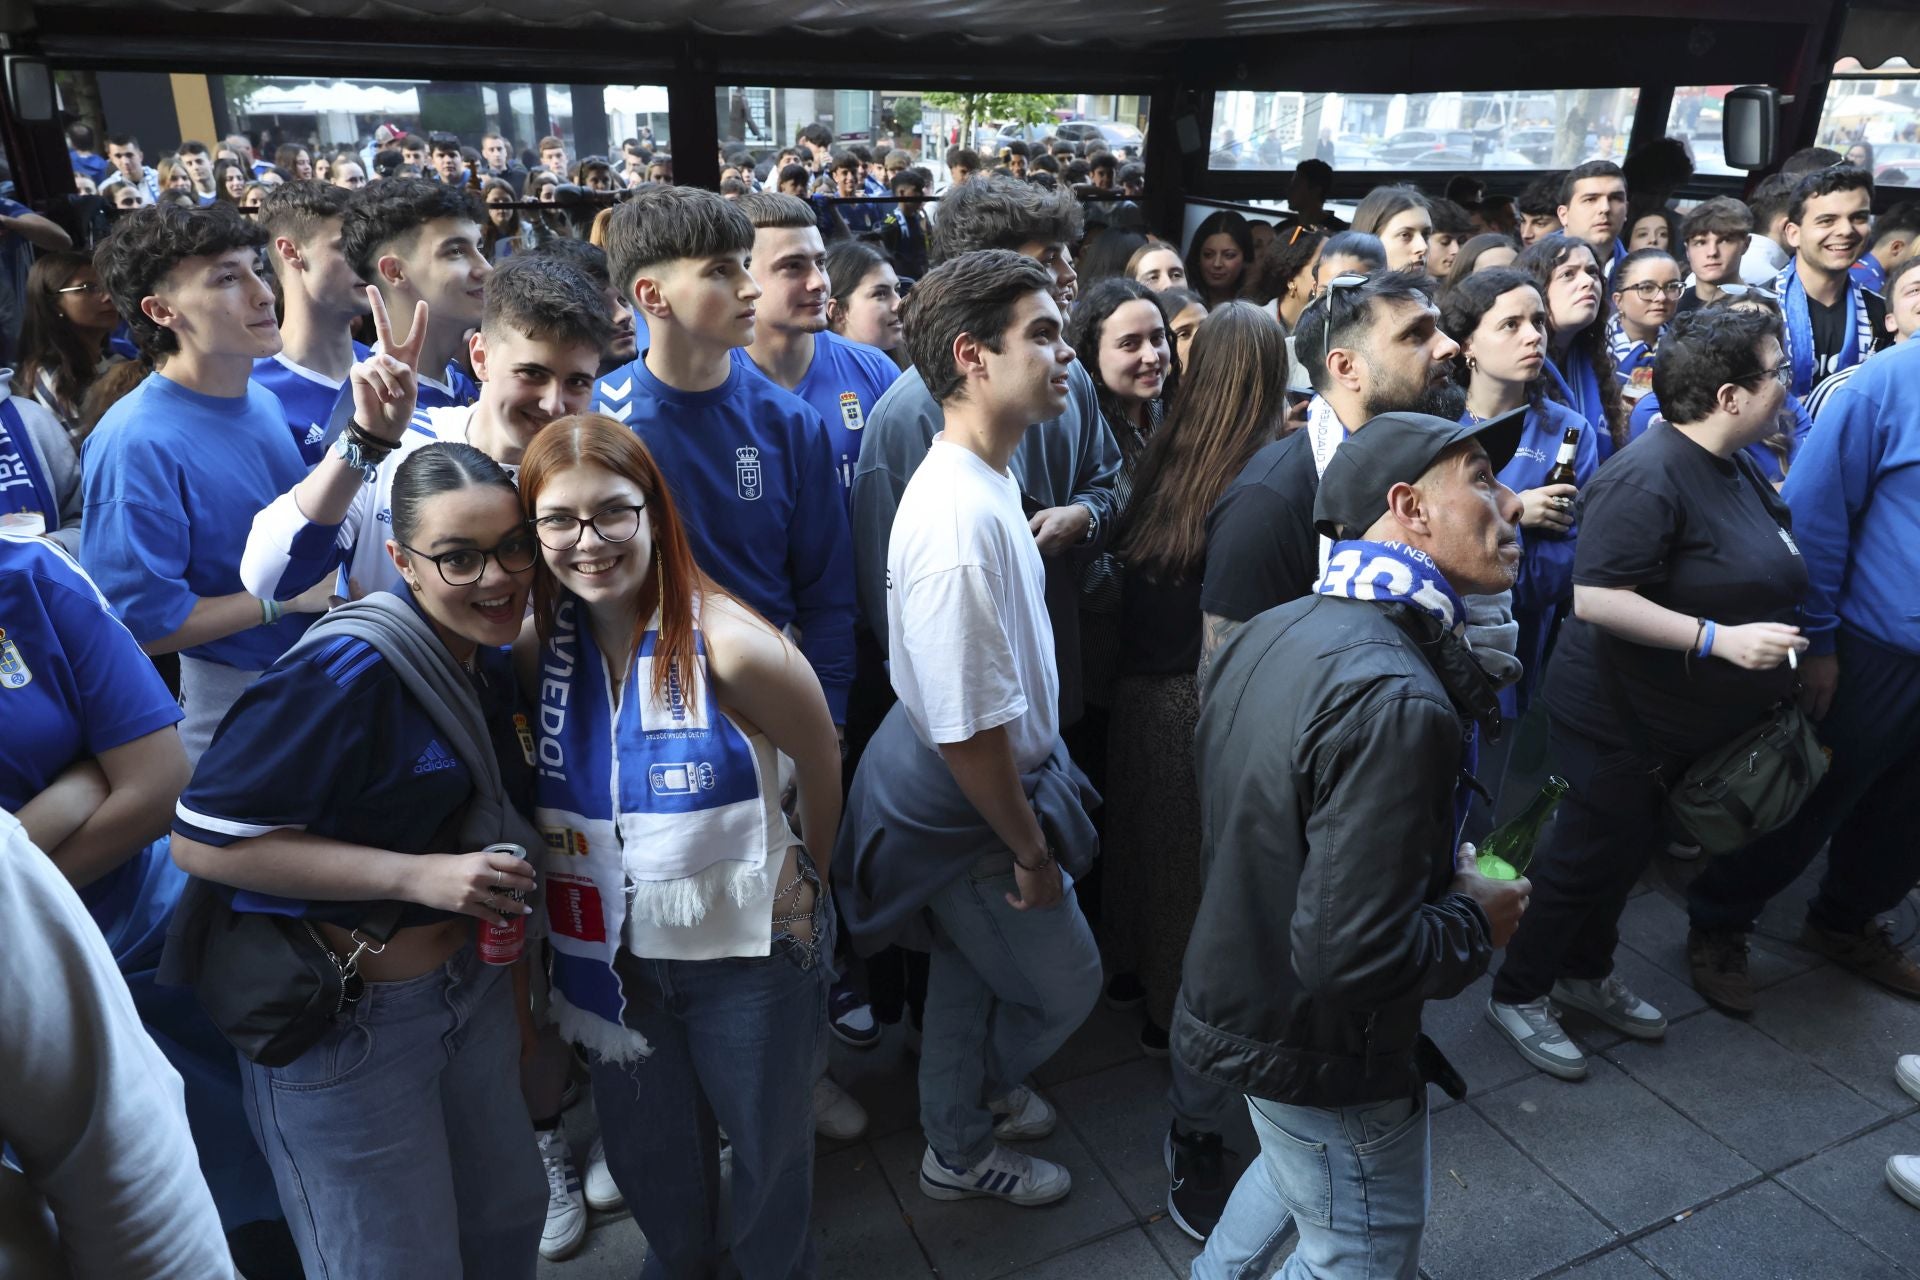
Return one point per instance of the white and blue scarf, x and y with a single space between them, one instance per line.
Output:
652 812
1392 572
25 491
1800 347
1628 353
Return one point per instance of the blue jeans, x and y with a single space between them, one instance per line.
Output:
400 1143
1352 1181
734 1045
1005 988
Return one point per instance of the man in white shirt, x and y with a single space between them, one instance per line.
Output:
973 750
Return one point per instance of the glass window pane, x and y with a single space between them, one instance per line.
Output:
1875 120
1503 129
766 120
329 117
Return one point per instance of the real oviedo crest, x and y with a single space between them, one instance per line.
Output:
746 473
13 668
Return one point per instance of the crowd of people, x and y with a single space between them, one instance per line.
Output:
475 665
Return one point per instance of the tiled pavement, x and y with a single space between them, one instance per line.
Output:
1732 1150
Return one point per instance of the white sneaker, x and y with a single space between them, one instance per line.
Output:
1536 1033
1684 850
1903 1175
1021 1116
835 1113
1003 1175
566 1212
602 1192
1907 1072
1612 1002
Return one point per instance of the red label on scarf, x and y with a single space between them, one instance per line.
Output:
573 908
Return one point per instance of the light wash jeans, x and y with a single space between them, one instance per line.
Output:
1352 1181
734 1044
400 1143
1005 988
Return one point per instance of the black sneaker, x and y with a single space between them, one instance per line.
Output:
1125 992
1197 1187
850 1018
1153 1039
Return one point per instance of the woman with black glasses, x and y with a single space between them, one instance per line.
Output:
1686 591
691 927
361 785
1646 293
63 337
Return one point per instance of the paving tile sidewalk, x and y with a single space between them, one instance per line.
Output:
1732 1150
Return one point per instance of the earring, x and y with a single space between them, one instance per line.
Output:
1472 364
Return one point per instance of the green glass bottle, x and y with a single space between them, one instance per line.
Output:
1508 849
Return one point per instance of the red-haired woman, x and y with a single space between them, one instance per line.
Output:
691 928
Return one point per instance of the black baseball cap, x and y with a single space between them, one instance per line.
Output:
1398 448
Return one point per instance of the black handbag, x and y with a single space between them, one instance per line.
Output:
269 983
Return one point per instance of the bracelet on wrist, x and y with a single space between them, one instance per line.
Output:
271 611
1706 643
1046 860
358 449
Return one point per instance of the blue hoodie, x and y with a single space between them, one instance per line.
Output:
1545 583
1855 496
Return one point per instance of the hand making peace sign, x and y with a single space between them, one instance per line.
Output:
386 383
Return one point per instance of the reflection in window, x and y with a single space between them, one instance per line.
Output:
764 122
1505 129
1874 120
1695 119
333 116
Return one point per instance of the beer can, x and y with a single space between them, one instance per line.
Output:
504 943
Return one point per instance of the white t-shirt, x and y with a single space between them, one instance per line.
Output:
93 1111
970 646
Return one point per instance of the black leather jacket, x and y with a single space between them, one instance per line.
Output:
1330 744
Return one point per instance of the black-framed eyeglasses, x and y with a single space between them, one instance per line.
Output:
1648 290
88 286
467 565
1781 373
615 524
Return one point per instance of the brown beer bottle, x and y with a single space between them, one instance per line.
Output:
1562 472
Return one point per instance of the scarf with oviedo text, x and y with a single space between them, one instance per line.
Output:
651 809
25 494
1857 344
1389 572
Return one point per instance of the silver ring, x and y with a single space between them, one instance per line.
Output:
490 904
496 877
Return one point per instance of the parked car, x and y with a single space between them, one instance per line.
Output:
1535 144
1110 134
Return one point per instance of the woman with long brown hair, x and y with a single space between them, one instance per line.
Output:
690 927
1232 401
1579 365
63 337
